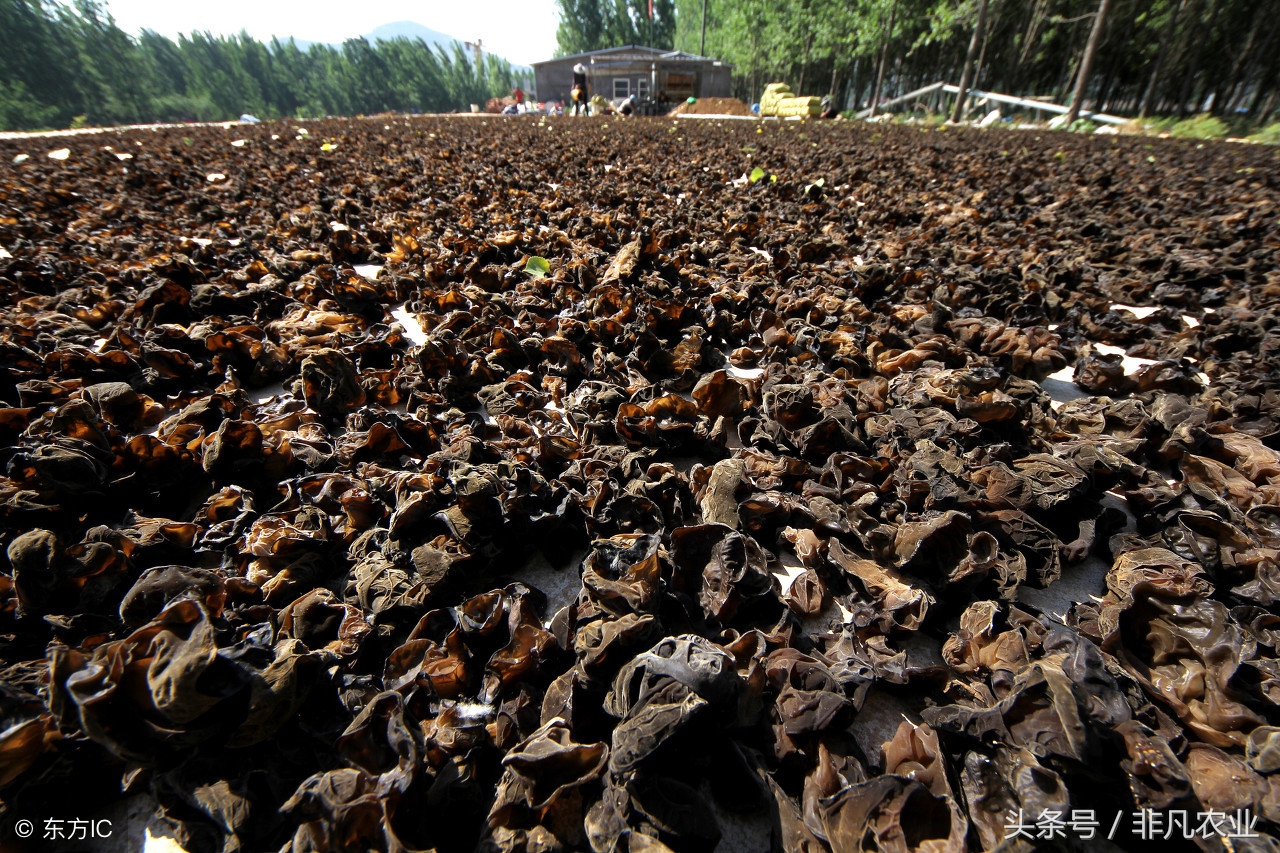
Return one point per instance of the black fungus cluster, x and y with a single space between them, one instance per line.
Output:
821 511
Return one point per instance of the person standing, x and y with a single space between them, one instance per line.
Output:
518 94
579 93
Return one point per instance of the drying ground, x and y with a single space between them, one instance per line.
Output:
540 484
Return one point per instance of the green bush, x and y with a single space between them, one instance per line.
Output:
1203 126
177 108
20 111
1269 134
1156 124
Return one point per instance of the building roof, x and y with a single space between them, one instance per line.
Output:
680 54
634 50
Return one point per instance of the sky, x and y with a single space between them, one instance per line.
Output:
522 31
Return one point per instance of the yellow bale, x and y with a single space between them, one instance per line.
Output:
797 106
773 95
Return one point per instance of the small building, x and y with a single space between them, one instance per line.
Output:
667 76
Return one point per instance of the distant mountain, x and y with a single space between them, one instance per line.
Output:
387 32
410 30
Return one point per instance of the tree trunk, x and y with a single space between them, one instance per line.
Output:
1267 53
1069 67
1186 97
1268 105
968 61
982 57
1033 29
1165 41
702 45
835 80
1104 91
884 52
1167 97
935 74
1238 68
853 84
1205 90
1086 63
1265 88
1123 37
804 65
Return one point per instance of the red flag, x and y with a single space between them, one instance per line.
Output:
651 10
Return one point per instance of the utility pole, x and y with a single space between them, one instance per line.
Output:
1086 64
702 45
963 94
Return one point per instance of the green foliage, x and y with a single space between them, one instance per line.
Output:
1184 54
177 108
537 267
1157 125
60 59
1200 127
61 63
596 24
581 27
19 110
1269 134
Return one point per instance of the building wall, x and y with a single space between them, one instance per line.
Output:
554 79
603 77
716 82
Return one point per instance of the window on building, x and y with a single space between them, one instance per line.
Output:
642 88
621 87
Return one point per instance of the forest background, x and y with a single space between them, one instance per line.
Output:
1153 57
70 64
65 64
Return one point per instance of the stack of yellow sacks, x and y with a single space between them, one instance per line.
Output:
773 95
778 100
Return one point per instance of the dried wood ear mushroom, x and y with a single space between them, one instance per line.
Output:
385 498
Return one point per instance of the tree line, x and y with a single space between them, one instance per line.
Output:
596 24
62 64
1166 57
